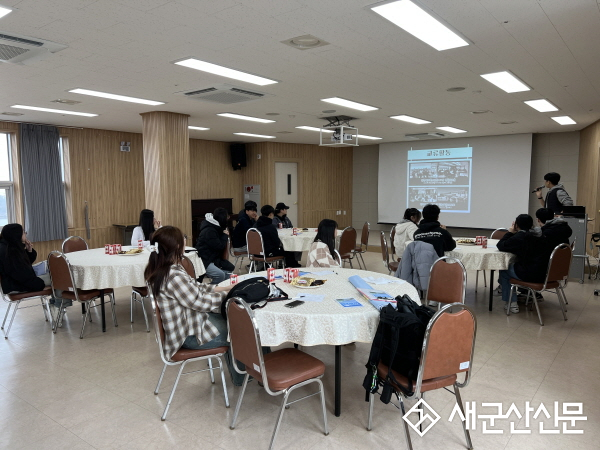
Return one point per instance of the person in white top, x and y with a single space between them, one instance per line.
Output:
405 230
147 225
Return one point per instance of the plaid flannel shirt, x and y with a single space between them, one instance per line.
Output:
184 305
319 256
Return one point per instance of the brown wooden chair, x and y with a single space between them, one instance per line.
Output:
447 351
347 245
232 222
62 278
256 250
139 294
498 233
184 356
558 272
363 246
74 244
281 372
16 299
393 255
391 266
447 281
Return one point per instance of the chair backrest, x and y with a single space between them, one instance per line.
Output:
254 242
559 264
498 233
232 222
61 275
447 281
188 266
384 250
337 257
573 244
448 345
245 338
74 244
364 236
159 331
393 247
347 241
226 250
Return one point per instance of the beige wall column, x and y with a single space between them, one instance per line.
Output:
167 168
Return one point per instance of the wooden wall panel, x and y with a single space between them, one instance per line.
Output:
167 168
211 172
325 178
589 174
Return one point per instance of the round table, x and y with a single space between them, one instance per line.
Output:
326 322
93 269
299 243
474 257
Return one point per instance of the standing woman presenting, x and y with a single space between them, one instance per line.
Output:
147 226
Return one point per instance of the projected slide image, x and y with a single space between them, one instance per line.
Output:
448 199
441 173
440 176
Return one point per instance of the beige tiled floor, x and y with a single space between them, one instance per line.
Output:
57 391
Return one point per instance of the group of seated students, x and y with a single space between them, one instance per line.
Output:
532 245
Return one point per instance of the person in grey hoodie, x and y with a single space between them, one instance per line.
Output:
405 230
557 196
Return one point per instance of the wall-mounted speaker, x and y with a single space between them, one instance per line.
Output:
238 156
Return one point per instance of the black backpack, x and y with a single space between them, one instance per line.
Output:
398 344
251 290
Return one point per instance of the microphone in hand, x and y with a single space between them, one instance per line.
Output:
537 189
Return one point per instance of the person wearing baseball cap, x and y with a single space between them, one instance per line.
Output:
281 216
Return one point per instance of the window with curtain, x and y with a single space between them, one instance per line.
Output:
7 209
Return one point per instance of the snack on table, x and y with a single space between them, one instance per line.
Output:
131 251
465 241
306 282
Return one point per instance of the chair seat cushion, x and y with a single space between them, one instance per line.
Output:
534 286
394 265
23 295
142 290
186 353
426 385
290 366
267 259
85 295
240 253
359 249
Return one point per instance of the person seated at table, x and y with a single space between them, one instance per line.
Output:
211 244
190 311
271 241
405 230
555 230
147 225
430 231
532 253
322 250
246 220
281 216
16 258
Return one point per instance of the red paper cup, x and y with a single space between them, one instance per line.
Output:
295 273
287 275
118 247
280 225
106 248
140 243
484 242
233 278
111 249
271 275
478 240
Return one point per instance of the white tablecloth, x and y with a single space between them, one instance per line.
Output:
299 243
474 257
92 269
326 322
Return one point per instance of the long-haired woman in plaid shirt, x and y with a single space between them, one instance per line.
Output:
190 310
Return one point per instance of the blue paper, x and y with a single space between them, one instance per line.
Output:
358 282
348 302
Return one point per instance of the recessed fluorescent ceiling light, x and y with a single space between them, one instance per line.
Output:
4 11
123 98
204 66
451 129
410 119
255 135
239 116
198 128
58 111
314 129
564 120
349 104
373 138
420 24
541 105
506 81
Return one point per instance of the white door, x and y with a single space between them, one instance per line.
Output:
286 188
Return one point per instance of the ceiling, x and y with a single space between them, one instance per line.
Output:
127 47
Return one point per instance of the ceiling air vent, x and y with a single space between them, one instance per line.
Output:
223 94
18 49
422 136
